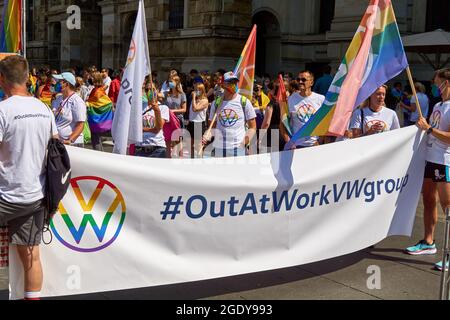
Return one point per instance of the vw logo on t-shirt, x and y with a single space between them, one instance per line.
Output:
305 112
435 119
228 118
377 125
149 121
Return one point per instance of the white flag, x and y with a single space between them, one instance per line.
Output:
127 124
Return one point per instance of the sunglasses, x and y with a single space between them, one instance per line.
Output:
302 79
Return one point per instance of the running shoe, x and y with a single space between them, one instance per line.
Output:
438 266
422 248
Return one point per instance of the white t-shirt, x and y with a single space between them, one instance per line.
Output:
69 112
386 119
107 83
26 125
424 105
150 138
174 103
439 151
231 122
197 116
301 109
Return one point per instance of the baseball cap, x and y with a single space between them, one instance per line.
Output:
66 76
230 77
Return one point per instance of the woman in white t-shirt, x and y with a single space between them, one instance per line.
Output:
197 118
70 111
437 170
375 118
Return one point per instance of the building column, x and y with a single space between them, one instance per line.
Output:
110 44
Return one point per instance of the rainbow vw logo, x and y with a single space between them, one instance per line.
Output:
105 205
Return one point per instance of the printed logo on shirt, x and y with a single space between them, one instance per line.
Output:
149 121
27 116
437 175
435 119
228 118
305 112
93 225
377 125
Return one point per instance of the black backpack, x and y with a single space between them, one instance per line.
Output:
58 175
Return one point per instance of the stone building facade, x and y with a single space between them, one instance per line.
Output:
208 34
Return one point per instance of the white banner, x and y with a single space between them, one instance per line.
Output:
136 222
127 123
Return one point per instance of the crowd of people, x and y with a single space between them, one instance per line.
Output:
84 101
41 104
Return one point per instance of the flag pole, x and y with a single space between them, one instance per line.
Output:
413 88
24 28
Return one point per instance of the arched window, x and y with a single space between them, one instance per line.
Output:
176 14
436 19
326 15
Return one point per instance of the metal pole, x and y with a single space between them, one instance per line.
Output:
444 292
24 28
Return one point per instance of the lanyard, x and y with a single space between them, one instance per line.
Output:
62 105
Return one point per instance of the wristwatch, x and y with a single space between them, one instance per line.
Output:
430 130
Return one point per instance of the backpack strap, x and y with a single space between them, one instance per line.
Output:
218 102
243 105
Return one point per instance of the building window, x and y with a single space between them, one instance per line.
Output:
326 15
176 14
435 17
30 20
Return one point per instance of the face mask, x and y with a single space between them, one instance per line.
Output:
232 89
435 91
172 85
198 93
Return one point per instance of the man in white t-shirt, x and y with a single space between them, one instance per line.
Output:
154 117
70 113
26 126
232 114
106 80
302 106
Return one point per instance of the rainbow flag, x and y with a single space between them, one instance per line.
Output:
11 29
99 111
284 107
245 68
375 56
46 95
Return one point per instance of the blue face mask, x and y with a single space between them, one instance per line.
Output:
435 91
172 85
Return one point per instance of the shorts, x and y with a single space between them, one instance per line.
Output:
437 172
25 222
196 126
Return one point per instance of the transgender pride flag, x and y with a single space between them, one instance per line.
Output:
375 56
